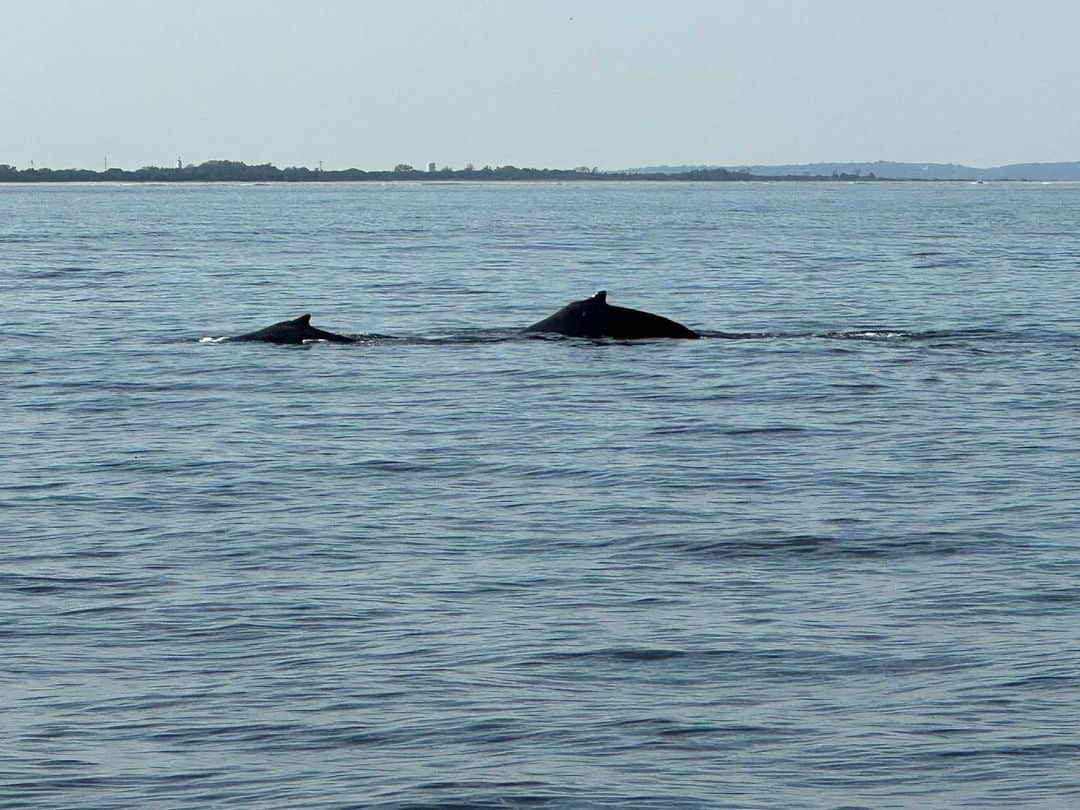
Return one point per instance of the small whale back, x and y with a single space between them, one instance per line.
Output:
293 332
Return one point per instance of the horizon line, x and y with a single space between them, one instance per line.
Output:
434 167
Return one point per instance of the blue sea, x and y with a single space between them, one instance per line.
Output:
827 556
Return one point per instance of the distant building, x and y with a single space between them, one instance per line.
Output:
431 167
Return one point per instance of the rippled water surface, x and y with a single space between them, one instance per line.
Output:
827 556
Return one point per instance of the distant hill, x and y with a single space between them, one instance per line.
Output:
884 169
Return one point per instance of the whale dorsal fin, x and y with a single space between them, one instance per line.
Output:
303 320
600 296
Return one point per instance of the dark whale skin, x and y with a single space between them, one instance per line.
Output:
596 318
295 331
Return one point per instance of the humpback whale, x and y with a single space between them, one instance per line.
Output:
596 318
295 331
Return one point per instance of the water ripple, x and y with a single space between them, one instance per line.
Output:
830 547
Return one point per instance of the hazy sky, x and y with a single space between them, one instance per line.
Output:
552 83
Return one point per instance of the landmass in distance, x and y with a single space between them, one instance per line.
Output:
237 171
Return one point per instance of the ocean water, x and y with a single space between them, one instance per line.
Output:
828 556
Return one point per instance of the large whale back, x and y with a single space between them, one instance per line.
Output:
295 331
596 318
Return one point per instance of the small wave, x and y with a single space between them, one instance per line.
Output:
765 430
705 428
1035 751
972 332
722 335
868 333
392 466
68 270
873 334
881 333
40 584
941 544
620 654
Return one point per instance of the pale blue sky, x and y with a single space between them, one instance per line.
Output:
558 83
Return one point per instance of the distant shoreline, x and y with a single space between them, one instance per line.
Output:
218 171
227 171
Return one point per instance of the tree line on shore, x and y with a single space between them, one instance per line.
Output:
236 171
